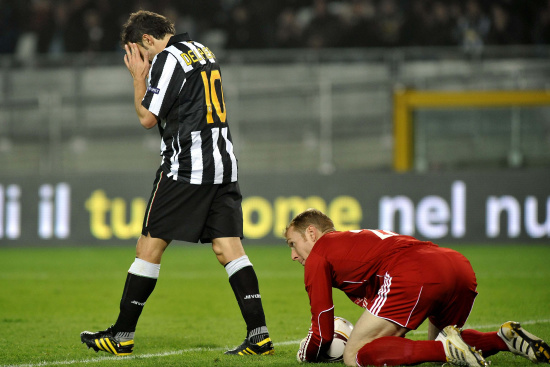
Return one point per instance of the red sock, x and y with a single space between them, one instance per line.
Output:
395 351
489 343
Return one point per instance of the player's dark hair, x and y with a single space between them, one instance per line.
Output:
310 217
145 22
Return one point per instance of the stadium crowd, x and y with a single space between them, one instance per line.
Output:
54 26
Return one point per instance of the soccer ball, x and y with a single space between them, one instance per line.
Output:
335 353
342 331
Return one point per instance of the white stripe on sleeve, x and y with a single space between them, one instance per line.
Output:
166 76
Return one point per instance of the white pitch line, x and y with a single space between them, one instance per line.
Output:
182 351
113 358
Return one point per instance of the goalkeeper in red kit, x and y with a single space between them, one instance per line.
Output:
400 282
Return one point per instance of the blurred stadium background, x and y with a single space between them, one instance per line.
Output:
389 91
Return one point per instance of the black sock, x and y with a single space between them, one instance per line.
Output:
136 291
245 286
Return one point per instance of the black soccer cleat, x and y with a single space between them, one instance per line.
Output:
105 340
264 347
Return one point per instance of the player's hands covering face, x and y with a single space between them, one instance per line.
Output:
137 64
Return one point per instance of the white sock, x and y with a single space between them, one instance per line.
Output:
235 265
145 269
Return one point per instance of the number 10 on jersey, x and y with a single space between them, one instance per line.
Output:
212 97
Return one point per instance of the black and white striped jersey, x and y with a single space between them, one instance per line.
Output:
185 93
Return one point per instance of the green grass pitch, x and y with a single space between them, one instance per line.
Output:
49 295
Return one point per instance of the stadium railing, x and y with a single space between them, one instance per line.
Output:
288 109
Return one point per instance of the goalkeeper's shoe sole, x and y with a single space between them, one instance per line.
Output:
265 347
106 341
459 353
523 343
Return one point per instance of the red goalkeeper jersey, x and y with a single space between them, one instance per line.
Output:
354 262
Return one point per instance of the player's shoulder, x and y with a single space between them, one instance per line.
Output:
192 55
345 234
190 50
326 243
362 236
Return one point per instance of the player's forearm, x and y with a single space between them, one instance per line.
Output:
317 339
146 118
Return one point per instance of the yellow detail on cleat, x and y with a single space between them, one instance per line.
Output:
264 347
101 345
266 340
523 343
97 343
123 354
108 346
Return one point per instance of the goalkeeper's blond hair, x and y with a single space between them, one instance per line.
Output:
310 217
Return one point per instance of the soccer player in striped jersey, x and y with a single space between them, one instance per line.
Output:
401 282
195 196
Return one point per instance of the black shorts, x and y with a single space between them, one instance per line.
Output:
186 212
